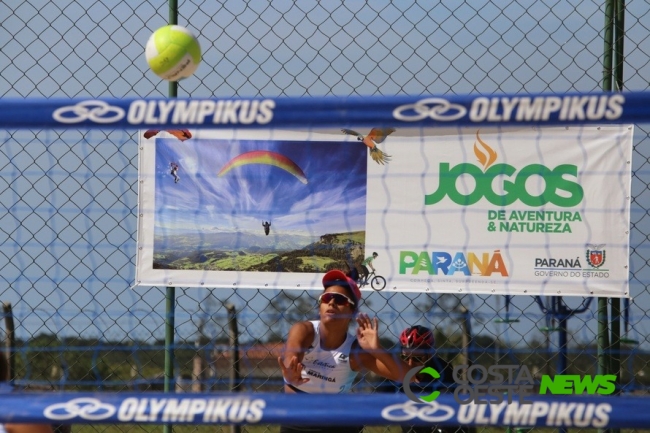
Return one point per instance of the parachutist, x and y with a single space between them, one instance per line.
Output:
174 172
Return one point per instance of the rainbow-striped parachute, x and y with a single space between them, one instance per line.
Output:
265 157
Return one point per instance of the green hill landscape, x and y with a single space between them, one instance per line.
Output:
255 253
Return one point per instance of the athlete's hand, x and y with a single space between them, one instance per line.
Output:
367 333
292 373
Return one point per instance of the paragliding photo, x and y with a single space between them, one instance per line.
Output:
257 205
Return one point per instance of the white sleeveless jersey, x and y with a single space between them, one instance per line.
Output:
328 371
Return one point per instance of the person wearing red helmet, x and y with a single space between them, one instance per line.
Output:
418 348
321 356
417 337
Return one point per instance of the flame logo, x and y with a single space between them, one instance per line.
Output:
486 156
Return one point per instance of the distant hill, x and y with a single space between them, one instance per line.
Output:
251 252
231 241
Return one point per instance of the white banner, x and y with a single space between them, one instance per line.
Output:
537 211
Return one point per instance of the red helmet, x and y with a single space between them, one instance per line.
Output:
416 337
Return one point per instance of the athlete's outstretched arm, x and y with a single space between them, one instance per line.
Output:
299 339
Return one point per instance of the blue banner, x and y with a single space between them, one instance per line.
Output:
398 111
306 409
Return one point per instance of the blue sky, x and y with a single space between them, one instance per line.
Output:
332 201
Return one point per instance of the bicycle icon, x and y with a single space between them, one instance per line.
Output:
377 282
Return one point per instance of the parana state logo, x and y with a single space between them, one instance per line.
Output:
596 255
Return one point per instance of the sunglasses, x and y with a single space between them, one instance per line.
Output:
339 299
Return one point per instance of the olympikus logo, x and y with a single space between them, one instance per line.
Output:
242 112
516 108
159 112
182 409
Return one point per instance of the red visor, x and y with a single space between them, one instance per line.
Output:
336 277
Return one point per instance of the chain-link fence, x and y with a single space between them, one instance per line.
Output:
68 198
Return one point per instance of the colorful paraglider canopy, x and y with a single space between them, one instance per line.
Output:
265 157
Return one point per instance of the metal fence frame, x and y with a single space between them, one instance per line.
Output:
67 224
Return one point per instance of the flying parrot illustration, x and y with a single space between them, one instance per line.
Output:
181 134
374 137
